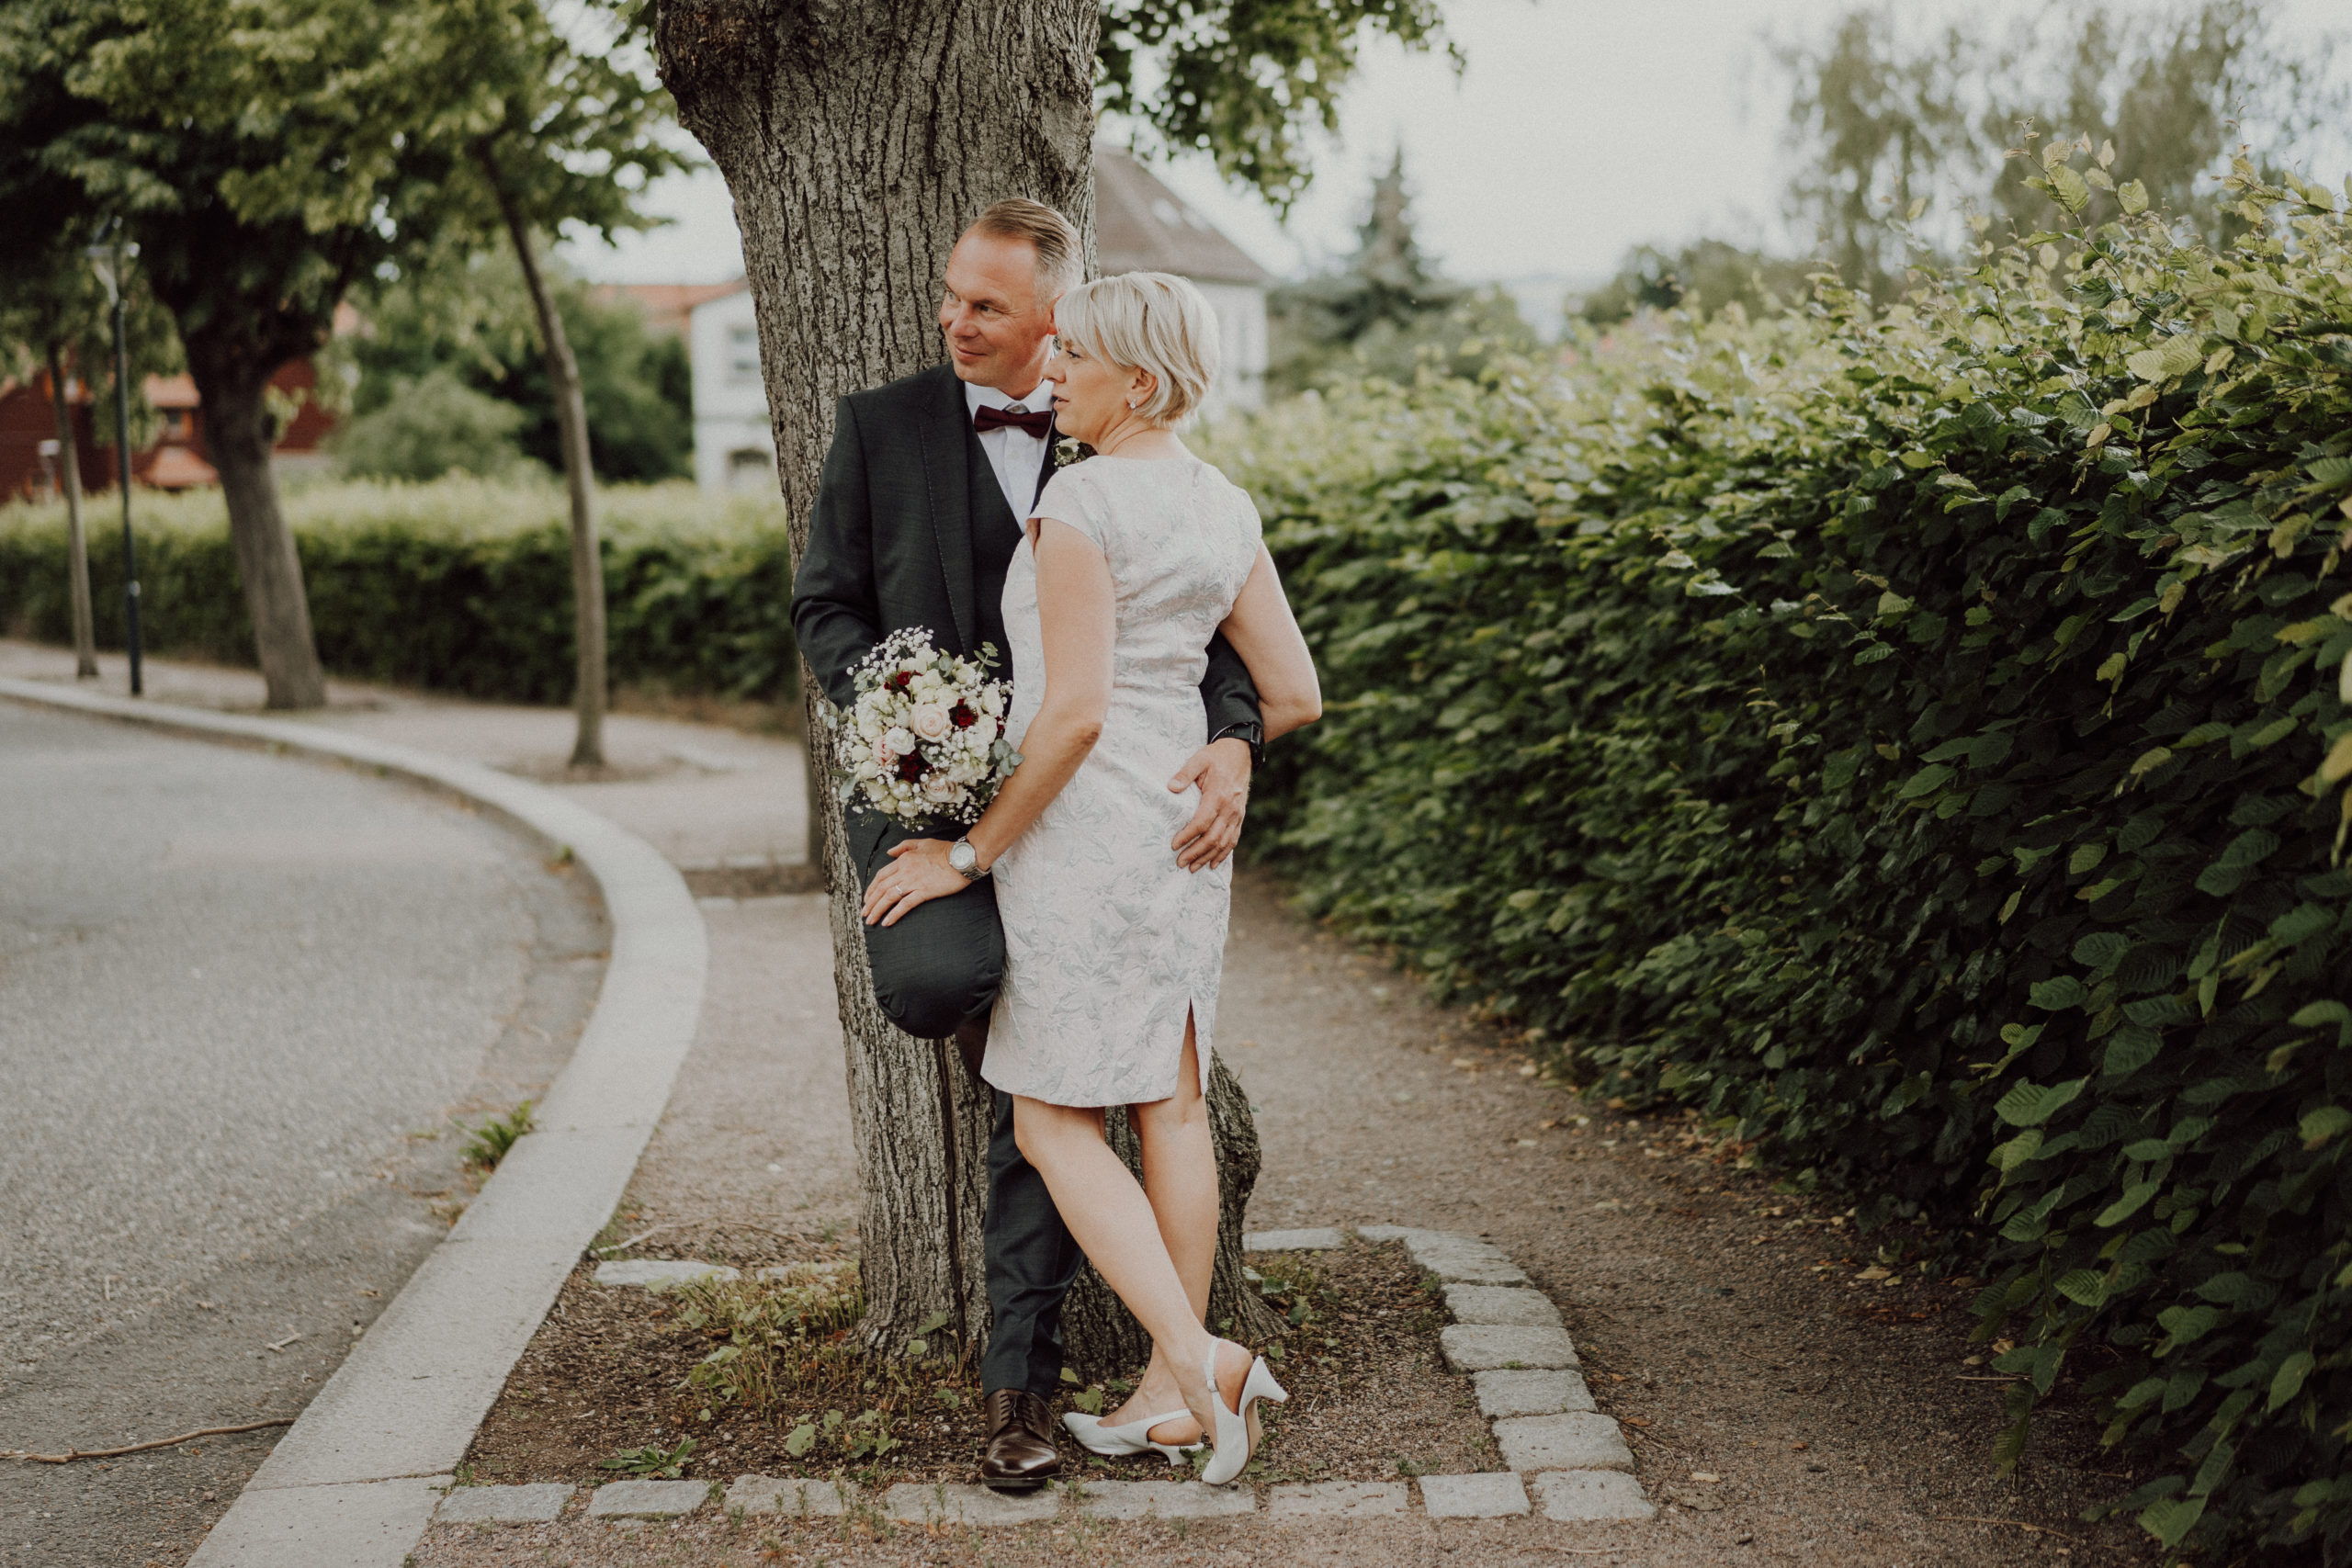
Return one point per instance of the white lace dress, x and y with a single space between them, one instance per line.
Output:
1108 943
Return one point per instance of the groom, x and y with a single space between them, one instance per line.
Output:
919 510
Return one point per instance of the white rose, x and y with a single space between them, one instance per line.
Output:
900 741
931 721
981 735
992 701
939 787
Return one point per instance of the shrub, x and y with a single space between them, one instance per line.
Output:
431 426
1915 738
461 585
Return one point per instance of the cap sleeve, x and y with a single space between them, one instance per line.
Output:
1071 498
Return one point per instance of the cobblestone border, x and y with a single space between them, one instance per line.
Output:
1567 1461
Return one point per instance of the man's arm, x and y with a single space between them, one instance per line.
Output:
1222 767
836 611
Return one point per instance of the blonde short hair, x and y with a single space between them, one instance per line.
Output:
1147 321
1061 253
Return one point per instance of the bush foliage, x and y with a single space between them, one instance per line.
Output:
463 586
1915 738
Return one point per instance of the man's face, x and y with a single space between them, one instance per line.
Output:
998 329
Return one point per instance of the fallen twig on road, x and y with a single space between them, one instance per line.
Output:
281 1345
71 1454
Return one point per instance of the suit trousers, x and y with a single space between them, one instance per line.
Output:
937 968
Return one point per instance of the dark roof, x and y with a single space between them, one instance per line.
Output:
1142 226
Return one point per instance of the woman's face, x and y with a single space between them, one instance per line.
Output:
1090 394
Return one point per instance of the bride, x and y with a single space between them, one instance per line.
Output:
1133 560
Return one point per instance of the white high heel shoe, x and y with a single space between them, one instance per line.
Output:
1134 1437
1237 1430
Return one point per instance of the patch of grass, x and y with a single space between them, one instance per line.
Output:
490 1143
651 1462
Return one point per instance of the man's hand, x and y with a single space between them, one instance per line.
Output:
1221 768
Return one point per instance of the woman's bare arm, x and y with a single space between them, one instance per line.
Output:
1263 631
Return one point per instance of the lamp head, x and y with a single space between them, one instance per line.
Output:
108 259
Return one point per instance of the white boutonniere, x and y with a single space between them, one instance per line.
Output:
1070 449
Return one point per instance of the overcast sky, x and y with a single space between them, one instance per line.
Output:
1578 128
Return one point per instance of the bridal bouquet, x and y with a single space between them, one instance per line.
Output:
925 739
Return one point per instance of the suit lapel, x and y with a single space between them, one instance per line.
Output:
944 433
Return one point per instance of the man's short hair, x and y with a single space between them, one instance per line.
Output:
1061 253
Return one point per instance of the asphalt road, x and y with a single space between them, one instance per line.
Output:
241 998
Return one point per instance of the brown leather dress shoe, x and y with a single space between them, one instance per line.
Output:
1020 1456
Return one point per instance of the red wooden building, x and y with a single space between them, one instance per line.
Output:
176 460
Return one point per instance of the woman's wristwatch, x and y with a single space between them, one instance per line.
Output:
965 860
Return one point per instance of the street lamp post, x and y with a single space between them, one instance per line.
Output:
108 259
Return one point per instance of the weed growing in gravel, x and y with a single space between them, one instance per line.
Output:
651 1462
786 1356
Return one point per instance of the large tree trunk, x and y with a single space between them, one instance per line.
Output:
589 692
238 434
858 138
77 544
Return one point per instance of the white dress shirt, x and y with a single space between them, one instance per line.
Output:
1017 457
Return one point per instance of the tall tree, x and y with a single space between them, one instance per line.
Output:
570 138
268 156
1885 118
857 139
51 316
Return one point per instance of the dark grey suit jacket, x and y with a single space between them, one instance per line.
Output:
891 546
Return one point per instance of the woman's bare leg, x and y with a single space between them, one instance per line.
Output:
1180 1178
1115 1222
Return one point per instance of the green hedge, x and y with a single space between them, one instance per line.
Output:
458 585
1915 739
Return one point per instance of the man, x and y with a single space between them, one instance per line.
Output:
919 510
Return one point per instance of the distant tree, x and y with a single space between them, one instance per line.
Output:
1885 118
1387 310
473 319
52 317
1702 277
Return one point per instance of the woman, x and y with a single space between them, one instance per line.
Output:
1112 951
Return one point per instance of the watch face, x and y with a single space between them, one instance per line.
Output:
961 856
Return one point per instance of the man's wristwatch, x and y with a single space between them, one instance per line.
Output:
965 860
1249 733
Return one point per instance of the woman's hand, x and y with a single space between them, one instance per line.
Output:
917 874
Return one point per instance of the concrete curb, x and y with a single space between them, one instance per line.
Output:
352 1483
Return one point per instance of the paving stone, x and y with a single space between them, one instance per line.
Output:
660 1271
1485 1347
1579 1439
1503 1304
970 1504
502 1505
646 1499
1164 1500
1452 1256
1592 1494
1293 1241
1531 1394
1338 1499
1491 1495
799 1499
1391 1232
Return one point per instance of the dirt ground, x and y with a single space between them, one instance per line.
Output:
1735 1333
1371 1398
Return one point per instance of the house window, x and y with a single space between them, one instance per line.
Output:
744 355
751 470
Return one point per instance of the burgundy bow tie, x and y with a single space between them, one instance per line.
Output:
1038 425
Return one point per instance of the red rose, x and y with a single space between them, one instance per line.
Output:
911 766
962 717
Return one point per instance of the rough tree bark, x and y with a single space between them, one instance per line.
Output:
857 138
589 695
78 547
231 381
